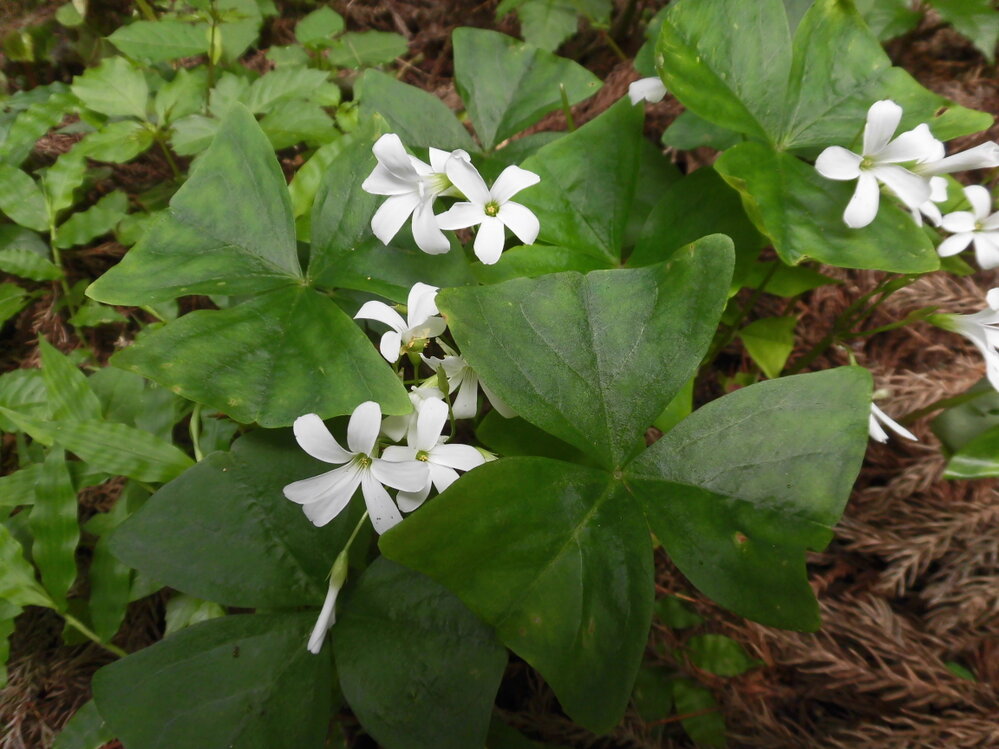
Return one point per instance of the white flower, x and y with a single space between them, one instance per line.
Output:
426 445
877 418
979 225
649 89
411 185
984 156
880 161
327 616
938 194
397 427
420 324
982 329
323 497
491 210
464 379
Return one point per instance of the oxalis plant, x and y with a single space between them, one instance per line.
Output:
445 451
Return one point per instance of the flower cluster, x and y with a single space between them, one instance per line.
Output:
412 186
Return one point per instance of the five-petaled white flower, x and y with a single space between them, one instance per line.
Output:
420 324
427 445
465 380
880 162
651 90
878 417
398 427
979 226
491 210
411 185
982 329
323 497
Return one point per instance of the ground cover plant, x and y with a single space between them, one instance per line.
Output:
403 413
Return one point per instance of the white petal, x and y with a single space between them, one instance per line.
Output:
987 249
958 221
462 457
488 243
512 180
381 509
875 431
930 210
649 89
467 179
953 245
838 163
991 223
313 437
324 622
390 346
395 427
420 167
427 232
362 429
382 313
882 121
438 159
938 189
992 298
521 221
392 214
398 453
499 405
891 424
421 303
911 189
430 423
984 156
392 155
466 403
980 199
917 144
408 475
410 501
429 328
461 216
331 505
863 206
443 476
319 487
383 182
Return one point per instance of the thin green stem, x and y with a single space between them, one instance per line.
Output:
91 635
146 10
353 533
195 428
161 141
614 47
570 123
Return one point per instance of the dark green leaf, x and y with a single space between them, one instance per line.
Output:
21 199
99 219
689 131
18 586
510 437
68 391
34 121
706 726
110 585
979 458
122 450
719 655
536 260
769 342
54 527
675 614
85 730
28 264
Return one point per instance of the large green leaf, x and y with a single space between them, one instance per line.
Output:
115 88
229 229
18 585
442 698
802 212
976 19
742 487
557 558
280 355
594 359
224 531
241 682
587 183
158 41
509 85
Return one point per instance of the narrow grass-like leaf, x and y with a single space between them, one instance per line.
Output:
122 450
110 585
28 264
99 219
12 300
54 526
21 199
67 387
18 585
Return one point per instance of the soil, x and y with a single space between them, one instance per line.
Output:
909 586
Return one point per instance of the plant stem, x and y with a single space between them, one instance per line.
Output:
570 124
353 534
146 10
91 635
614 47
195 428
177 175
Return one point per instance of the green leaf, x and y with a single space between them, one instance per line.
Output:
594 359
12 300
18 487
514 436
547 23
192 134
319 27
92 314
245 682
688 131
802 212
443 697
976 19
555 557
99 219
17 577
181 96
69 393
115 88
118 142
85 730
738 490
706 727
60 180
305 184
508 85
536 260
283 84
162 40
358 49
396 101
769 342
183 611
979 458
207 245
54 527
28 264
34 121
224 531
957 426
588 182
122 450
265 360
675 614
784 280
24 390
297 121
719 655
888 18
21 199
110 585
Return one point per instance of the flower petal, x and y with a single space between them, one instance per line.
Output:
987 249
362 429
398 453
466 403
322 512
882 121
427 232
910 188
421 303
649 89
313 437
410 501
467 179
512 180
489 240
443 476
838 163
953 245
863 206
430 423
498 403
326 619
317 488
408 475
390 346
917 144
891 424
438 159
958 221
392 155
984 156
521 221
383 182
462 457
461 216
382 510
980 199
382 313
392 214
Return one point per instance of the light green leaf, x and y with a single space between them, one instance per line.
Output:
192 134
68 392
34 121
85 730
162 40
54 527
38 429
244 681
115 88
99 219
976 19
12 300
547 23
248 546
21 199
536 260
24 389
118 142
359 49
242 244
183 611
28 264
18 585
92 314
305 184
594 359
719 655
802 212
60 180
283 84
769 341
318 27
122 450
888 18
978 458
395 616
184 94
297 121
741 488
508 85
267 360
